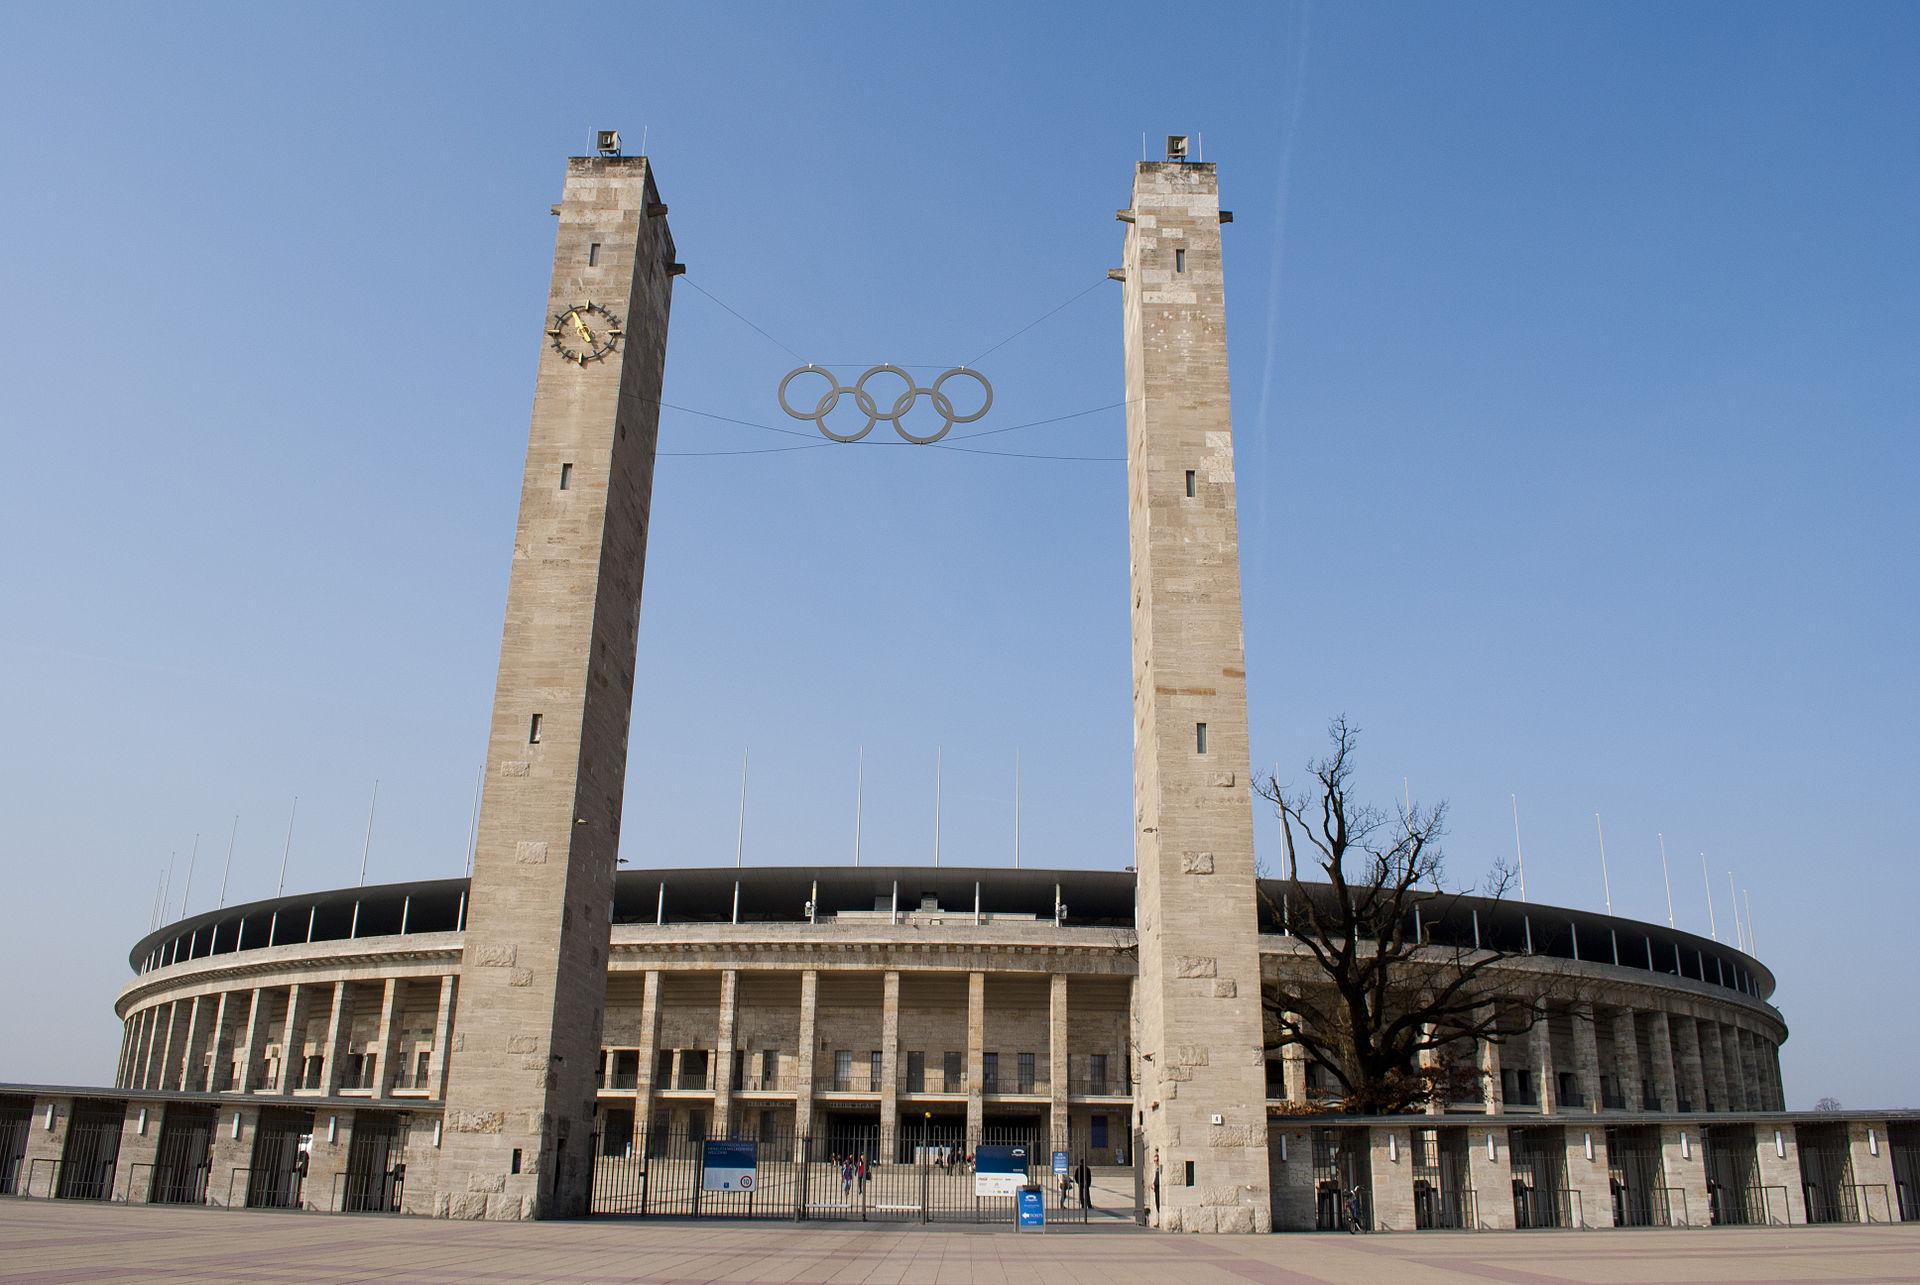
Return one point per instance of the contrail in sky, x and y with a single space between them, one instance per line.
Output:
1289 127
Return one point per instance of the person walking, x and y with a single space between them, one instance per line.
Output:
1083 1176
1066 1187
1353 1210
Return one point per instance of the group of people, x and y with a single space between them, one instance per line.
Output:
1081 1177
853 1168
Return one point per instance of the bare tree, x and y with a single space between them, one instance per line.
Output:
1398 990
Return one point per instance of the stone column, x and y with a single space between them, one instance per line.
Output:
1492 1178
643 1081
134 1061
1685 1165
1778 1170
1713 1066
1626 1057
442 1055
339 1031
220 1047
252 1042
137 1147
1864 1138
45 1146
1058 1066
1391 1169
1490 1070
889 1066
194 1051
126 1046
160 1055
809 1042
323 1189
1544 1070
976 1056
293 1037
387 1041
232 1148
1589 1177
1692 1072
1660 1055
1293 1069
1586 1057
723 1054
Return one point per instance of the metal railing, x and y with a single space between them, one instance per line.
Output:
1116 1086
369 1193
1654 1207
1863 1200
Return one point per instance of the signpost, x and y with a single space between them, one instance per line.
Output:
1059 1164
729 1166
1033 1209
999 1170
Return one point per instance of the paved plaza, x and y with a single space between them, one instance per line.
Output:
47 1242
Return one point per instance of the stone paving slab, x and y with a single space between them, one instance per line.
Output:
62 1242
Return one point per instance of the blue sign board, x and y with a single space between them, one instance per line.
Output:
999 1170
1033 1211
729 1166
1059 1164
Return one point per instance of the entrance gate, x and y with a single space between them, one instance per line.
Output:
184 1157
16 1119
92 1151
832 1176
279 1159
1540 1198
375 1175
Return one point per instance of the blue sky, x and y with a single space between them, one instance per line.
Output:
1574 359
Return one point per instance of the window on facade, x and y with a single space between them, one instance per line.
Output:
1024 1070
593 254
874 1072
916 1072
769 1067
954 1072
1097 1131
566 479
1179 260
533 731
1097 1077
421 1061
990 1073
843 1069
1200 738
1190 484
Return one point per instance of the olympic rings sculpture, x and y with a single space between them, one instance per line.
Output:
865 403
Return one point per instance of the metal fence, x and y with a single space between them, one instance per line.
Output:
827 1177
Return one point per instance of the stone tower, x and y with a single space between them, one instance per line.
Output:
1202 1092
533 979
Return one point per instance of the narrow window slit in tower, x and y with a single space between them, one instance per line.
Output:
566 478
1199 737
593 254
1189 484
533 731
1179 260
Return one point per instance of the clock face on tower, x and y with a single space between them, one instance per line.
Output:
585 332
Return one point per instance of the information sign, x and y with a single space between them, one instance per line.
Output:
1059 1164
1033 1210
730 1166
999 1170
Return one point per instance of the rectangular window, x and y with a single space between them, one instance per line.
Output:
533 731
593 254
1024 1072
1098 1135
1189 1173
566 478
563 485
842 1070
1179 260
1199 738
769 1068
916 1072
990 1073
874 1073
1097 1078
955 1072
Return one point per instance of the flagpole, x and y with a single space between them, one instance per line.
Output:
1733 895
1713 927
186 887
1016 809
226 870
1518 855
287 851
1667 879
740 836
859 788
366 846
937 754
1605 882
1750 941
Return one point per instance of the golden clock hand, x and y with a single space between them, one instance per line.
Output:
586 336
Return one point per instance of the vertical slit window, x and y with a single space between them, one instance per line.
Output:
1179 260
533 731
593 254
1199 737
566 479
1189 484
